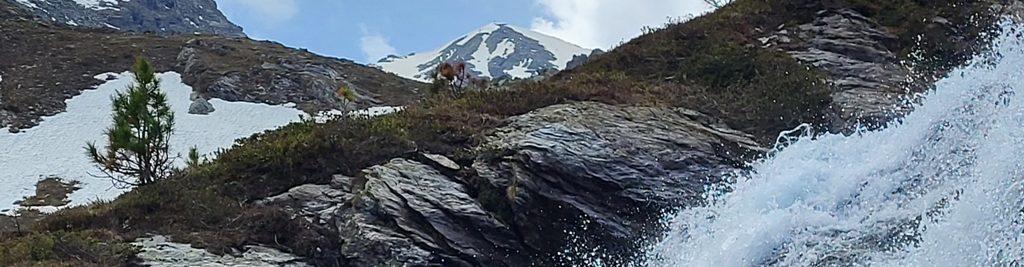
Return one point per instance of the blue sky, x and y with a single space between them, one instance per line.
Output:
366 30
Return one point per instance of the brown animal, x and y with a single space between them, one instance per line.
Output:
452 71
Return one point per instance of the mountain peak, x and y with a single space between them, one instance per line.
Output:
496 50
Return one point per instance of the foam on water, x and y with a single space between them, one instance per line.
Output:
944 187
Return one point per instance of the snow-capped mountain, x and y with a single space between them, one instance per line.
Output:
494 51
158 16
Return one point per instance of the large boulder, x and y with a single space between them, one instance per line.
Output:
585 175
405 213
602 175
200 106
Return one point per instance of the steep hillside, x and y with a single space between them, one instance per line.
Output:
583 164
748 61
162 17
44 64
494 51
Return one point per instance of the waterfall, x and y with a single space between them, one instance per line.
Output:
943 187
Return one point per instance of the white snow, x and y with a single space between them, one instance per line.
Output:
481 58
409 66
521 71
564 51
376 111
99 4
325 116
54 147
28 3
505 48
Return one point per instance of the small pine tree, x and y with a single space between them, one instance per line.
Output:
138 141
346 93
194 159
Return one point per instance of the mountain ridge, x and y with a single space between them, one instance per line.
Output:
496 50
162 17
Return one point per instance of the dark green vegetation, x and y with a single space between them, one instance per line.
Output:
60 248
709 64
763 91
137 150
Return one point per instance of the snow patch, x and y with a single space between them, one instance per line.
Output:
157 251
99 4
54 148
376 111
325 116
28 3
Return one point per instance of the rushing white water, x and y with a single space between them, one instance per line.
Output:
942 188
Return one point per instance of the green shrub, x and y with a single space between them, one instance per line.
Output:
137 146
59 248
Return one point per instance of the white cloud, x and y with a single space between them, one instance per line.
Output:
605 23
271 10
375 46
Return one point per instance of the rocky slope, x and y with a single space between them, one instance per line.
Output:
162 17
859 58
554 172
44 64
494 51
548 174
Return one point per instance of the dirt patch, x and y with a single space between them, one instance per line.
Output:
51 192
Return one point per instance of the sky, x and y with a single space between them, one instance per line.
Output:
368 30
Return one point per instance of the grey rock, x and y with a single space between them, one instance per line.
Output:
442 161
200 106
870 84
316 203
244 70
164 17
579 60
404 213
157 251
421 217
603 172
585 175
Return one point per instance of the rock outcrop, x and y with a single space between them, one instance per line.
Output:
603 172
596 171
164 17
859 57
267 72
157 251
200 106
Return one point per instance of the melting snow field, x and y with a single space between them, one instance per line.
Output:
54 148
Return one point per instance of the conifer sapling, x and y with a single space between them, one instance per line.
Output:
137 149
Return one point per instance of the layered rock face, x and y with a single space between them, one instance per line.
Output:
597 172
266 72
164 17
871 84
608 169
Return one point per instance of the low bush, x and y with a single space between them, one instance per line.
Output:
60 248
